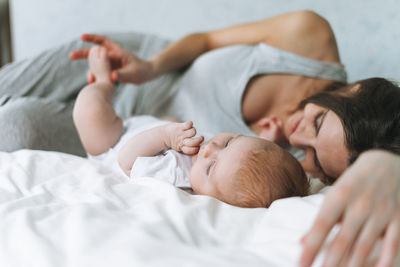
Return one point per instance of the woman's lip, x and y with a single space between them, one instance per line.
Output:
296 125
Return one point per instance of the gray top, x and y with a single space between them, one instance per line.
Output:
210 90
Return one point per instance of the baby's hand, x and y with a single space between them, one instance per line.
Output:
180 137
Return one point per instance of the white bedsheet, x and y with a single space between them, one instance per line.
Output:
62 210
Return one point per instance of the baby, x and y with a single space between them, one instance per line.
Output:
239 170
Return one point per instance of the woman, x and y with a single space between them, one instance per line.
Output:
245 82
266 103
363 117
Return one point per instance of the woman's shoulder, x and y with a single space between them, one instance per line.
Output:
304 33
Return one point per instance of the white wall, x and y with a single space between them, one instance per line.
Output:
367 30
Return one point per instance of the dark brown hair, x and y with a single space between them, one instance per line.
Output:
370 115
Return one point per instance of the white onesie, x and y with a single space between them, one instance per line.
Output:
170 166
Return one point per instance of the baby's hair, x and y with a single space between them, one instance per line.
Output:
266 174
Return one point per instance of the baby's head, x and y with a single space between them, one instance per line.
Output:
246 171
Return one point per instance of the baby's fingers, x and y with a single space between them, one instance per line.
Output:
190 150
191 142
191 146
189 133
186 125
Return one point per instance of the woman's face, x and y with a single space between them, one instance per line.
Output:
319 132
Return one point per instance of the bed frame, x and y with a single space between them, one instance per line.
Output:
5 33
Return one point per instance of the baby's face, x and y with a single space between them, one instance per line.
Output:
215 165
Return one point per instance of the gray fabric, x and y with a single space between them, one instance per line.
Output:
210 91
37 94
30 122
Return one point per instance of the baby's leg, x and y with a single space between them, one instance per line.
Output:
98 125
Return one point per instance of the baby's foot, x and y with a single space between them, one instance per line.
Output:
99 64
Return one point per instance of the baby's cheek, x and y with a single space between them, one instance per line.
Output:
196 180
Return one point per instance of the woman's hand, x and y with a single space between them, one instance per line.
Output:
126 67
366 202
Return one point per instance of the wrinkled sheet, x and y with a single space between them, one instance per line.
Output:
62 210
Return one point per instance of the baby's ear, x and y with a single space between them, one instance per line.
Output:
271 129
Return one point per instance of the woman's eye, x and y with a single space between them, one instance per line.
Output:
317 121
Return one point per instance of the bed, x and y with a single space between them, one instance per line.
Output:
59 209
63 210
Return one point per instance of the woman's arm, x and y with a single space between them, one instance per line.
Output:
303 32
366 202
178 136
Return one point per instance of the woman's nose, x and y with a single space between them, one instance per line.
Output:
303 136
301 139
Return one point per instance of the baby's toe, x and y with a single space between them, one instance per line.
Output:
102 52
92 52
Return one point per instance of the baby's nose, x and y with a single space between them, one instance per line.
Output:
209 149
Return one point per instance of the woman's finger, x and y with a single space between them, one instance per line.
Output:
366 241
103 41
352 223
330 213
114 76
391 244
94 38
79 54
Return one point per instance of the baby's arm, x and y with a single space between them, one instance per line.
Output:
178 136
